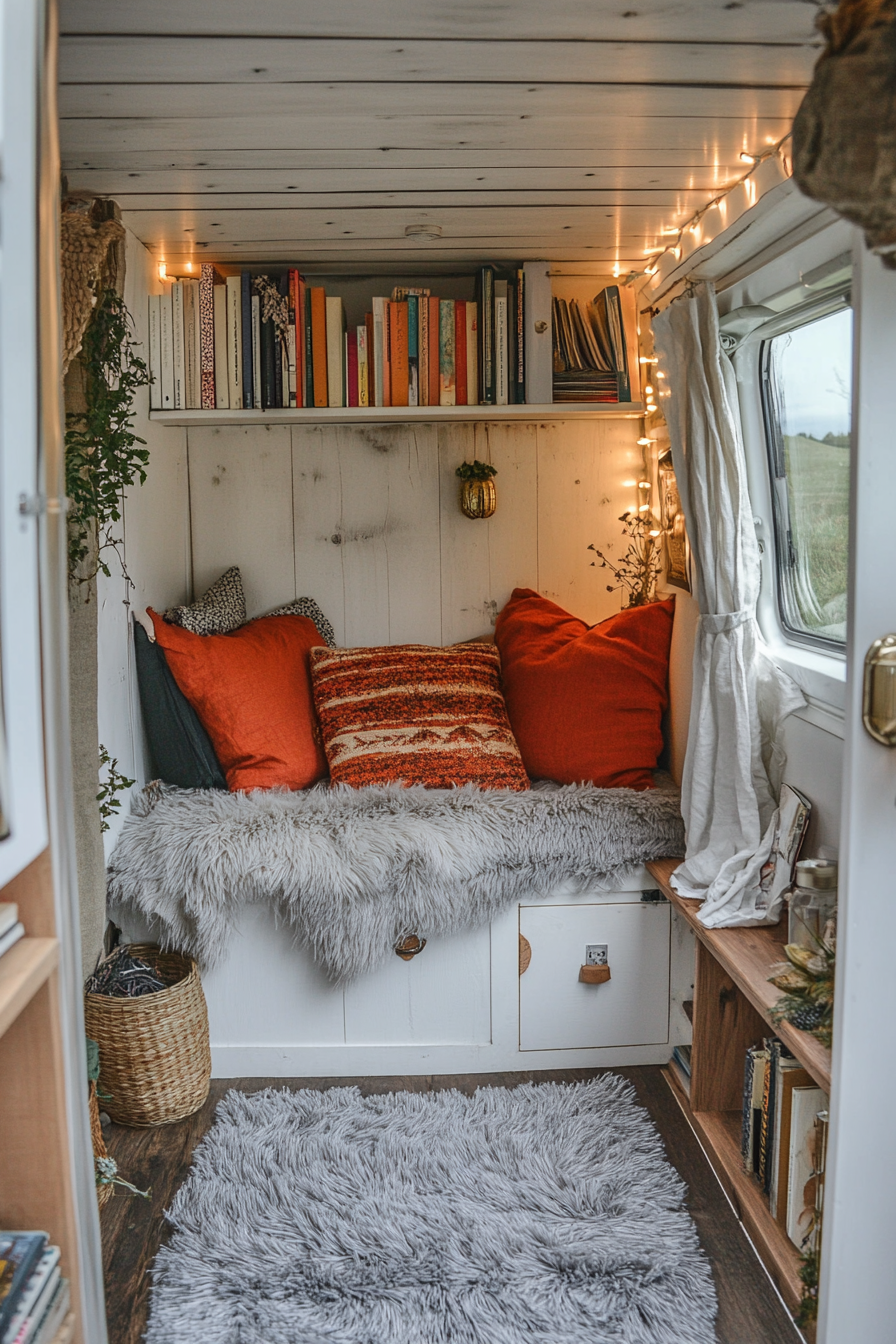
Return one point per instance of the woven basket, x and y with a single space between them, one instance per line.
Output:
155 1062
103 1192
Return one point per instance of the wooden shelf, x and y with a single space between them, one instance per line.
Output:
378 415
719 1133
23 969
747 956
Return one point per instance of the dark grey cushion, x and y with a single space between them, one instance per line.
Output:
178 744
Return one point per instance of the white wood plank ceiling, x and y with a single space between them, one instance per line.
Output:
290 130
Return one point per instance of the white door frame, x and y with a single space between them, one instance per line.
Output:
858 1274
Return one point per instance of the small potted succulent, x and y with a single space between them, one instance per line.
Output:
478 497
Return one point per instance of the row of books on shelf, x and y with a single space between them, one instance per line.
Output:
11 927
784 1139
34 1297
264 342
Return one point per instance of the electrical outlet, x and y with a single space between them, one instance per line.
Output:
595 954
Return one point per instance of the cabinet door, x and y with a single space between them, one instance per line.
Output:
557 1012
441 997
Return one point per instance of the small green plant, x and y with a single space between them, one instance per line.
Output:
476 471
637 571
808 1308
807 979
114 783
102 456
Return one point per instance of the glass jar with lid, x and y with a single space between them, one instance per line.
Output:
813 902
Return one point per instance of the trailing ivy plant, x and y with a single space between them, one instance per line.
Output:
102 453
115 782
637 571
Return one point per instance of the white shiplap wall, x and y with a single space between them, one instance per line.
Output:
366 520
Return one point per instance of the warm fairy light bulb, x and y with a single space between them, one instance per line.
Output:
654 532
647 359
617 270
190 267
643 508
660 374
643 485
644 443
648 389
747 157
163 271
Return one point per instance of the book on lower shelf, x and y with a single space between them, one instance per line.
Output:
783 1138
34 1298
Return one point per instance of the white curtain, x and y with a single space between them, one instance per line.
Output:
732 767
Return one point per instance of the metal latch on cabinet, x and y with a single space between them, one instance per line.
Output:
596 970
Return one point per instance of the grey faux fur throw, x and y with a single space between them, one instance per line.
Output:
353 871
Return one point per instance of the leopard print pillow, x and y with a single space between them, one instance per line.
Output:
220 609
306 606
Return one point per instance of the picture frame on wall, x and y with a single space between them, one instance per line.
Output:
672 523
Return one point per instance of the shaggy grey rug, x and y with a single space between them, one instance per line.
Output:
353 871
547 1213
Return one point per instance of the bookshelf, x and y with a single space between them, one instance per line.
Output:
36 1178
393 415
732 1011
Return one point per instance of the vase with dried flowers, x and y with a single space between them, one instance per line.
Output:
638 569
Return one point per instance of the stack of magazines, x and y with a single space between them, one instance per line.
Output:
34 1298
590 357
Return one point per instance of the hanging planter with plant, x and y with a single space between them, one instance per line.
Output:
478 496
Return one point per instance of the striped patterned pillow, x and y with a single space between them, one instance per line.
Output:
416 714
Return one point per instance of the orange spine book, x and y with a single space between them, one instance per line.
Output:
460 353
433 351
319 344
398 352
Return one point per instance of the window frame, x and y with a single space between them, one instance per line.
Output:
837 299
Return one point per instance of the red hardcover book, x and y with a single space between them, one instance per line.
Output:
433 351
398 352
460 352
207 277
352 366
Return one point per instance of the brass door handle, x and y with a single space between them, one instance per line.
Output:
879 691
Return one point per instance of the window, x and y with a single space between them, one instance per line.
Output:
806 388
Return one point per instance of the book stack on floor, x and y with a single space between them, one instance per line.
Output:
11 927
262 342
590 354
784 1139
34 1298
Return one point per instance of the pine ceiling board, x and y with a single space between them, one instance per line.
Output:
352 259
646 20
300 102
245 162
238 60
681 198
389 222
720 137
173 186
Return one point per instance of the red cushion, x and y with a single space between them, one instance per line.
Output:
586 703
252 691
416 714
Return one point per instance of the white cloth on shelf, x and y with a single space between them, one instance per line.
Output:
733 765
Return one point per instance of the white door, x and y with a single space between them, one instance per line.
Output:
857 1258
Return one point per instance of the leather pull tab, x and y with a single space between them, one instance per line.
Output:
410 947
594 975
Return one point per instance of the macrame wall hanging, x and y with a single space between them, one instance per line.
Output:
92 260
844 135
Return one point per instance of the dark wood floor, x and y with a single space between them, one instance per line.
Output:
750 1312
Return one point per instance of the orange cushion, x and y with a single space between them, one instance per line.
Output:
586 703
252 692
416 714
